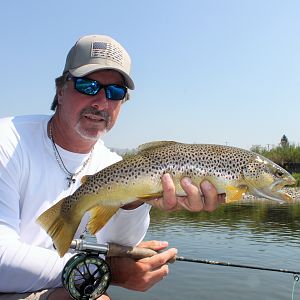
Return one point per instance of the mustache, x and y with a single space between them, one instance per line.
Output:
93 111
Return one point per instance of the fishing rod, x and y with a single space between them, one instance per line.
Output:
87 275
228 264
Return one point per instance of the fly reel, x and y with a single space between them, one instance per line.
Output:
86 276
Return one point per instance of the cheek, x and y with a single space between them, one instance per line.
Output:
69 102
64 97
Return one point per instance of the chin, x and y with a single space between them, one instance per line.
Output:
91 134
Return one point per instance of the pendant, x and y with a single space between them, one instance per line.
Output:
71 180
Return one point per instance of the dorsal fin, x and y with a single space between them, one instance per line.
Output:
153 145
84 179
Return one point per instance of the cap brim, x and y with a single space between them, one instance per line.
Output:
88 69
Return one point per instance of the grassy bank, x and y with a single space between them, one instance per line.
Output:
281 155
297 177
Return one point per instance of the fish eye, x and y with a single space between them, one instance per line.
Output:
278 173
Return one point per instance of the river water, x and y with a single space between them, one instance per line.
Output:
257 233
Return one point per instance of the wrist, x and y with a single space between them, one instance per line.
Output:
116 273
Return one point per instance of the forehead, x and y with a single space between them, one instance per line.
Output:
106 75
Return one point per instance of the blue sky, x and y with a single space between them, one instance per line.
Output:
215 71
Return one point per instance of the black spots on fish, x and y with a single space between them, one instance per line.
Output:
125 172
224 161
92 188
177 159
156 167
257 168
67 204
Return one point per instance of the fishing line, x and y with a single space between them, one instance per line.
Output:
296 279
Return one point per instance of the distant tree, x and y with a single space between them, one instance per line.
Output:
284 142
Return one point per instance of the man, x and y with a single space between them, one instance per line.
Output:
42 160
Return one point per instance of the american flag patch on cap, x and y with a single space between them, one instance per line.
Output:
107 51
99 45
98 49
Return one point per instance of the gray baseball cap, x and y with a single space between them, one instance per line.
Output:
98 52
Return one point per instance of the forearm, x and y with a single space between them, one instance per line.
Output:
29 268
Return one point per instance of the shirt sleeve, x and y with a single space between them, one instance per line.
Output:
23 267
126 227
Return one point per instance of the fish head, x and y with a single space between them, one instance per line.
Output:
265 178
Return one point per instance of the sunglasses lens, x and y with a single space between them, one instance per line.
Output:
92 87
115 92
86 86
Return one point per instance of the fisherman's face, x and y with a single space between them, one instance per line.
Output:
90 116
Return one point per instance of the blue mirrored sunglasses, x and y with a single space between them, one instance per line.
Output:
92 87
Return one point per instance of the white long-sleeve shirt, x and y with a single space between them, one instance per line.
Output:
31 181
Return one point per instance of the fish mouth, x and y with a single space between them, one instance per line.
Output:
274 191
279 184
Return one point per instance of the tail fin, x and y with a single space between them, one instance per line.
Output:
60 226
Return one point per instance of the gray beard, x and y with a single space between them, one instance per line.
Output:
86 136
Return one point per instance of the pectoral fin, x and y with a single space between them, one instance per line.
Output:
235 193
150 196
99 217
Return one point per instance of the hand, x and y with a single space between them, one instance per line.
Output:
142 274
203 198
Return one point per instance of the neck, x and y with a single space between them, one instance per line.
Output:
67 137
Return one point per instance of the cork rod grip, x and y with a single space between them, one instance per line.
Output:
127 251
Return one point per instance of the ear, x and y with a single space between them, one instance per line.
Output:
60 93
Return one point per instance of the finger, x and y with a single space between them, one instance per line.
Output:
210 195
193 201
153 277
104 297
154 245
159 274
160 259
169 199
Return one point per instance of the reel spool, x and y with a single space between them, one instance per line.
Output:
86 276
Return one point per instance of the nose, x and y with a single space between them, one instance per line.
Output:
100 101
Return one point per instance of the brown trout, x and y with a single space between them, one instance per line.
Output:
231 170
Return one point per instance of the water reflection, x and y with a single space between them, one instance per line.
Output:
258 233
259 218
